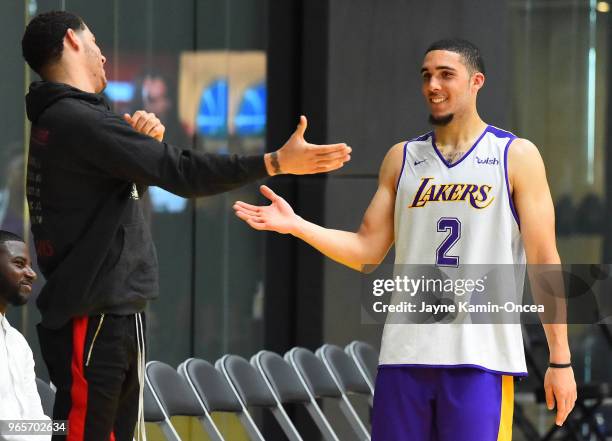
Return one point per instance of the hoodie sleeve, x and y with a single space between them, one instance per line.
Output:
116 149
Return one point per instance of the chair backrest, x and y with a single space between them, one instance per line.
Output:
210 385
172 391
349 380
316 377
254 391
343 369
47 396
236 376
320 383
153 412
167 393
287 386
213 392
281 377
248 384
366 359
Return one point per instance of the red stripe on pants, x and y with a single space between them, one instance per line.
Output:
78 390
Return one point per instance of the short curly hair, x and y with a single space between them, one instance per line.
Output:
469 52
43 40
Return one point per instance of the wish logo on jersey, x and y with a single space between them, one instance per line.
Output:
478 196
487 161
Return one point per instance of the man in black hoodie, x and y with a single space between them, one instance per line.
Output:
87 170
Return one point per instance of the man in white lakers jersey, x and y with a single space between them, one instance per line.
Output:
465 193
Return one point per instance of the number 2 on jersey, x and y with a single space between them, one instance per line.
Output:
453 227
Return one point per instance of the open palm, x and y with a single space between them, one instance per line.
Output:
299 157
278 216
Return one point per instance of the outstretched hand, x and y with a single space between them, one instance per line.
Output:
278 216
299 157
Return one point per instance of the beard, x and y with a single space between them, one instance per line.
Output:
441 120
100 78
103 85
15 297
96 68
12 292
18 299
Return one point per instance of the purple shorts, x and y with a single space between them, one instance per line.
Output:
442 404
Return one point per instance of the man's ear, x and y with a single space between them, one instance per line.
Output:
478 80
71 39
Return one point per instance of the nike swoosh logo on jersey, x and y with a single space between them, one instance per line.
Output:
419 162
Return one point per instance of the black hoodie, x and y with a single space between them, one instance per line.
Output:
86 170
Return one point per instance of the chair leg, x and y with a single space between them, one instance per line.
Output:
524 424
571 432
587 416
550 433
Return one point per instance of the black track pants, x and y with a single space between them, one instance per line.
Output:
93 362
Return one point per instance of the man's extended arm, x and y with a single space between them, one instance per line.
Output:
117 148
368 245
535 209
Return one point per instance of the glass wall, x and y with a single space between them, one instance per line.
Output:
560 78
560 98
200 66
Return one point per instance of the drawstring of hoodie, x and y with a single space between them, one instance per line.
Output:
140 433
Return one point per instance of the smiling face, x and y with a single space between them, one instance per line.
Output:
448 86
16 274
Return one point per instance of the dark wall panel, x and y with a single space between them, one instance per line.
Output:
346 200
375 54
11 86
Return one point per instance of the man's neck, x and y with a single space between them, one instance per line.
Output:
60 74
460 132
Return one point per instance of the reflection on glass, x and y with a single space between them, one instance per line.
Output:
222 96
559 102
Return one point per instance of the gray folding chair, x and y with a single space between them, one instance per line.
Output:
215 394
167 395
252 391
319 382
345 373
153 413
366 359
47 397
287 388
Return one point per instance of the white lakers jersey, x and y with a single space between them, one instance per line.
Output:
451 215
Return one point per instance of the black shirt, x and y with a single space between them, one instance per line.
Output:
86 172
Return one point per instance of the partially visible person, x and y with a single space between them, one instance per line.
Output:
154 93
453 197
19 399
87 171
